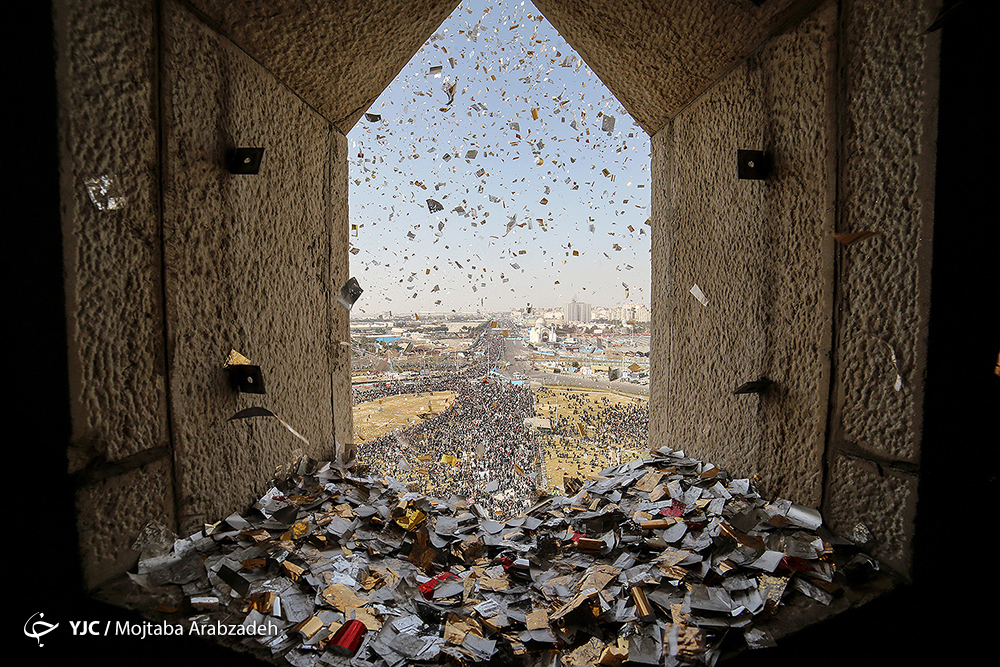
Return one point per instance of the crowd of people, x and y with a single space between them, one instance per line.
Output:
420 385
480 448
624 425
482 354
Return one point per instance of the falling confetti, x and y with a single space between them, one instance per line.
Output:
527 134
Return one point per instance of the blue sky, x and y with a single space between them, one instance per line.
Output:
541 176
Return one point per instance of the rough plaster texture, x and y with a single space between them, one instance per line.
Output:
339 56
105 51
656 57
761 252
340 324
851 118
107 99
247 261
113 511
883 289
885 501
661 283
886 187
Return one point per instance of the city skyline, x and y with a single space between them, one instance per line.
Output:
640 312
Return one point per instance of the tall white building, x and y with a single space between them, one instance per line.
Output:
576 311
634 312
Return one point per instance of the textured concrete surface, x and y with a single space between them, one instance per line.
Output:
247 267
761 252
107 100
118 403
884 500
883 293
251 262
114 510
656 57
661 167
886 187
340 325
852 138
338 56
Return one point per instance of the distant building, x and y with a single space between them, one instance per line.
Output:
540 333
576 311
634 312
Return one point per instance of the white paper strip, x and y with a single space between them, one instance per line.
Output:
698 294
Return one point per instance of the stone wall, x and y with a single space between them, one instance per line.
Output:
191 261
248 267
848 135
888 153
120 447
760 251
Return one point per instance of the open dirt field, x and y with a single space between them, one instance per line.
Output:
385 415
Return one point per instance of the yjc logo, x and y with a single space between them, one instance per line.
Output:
38 629
83 627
